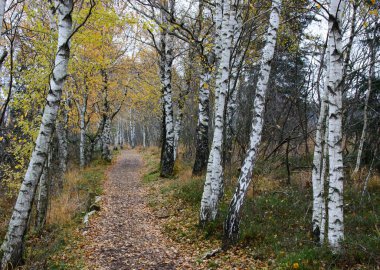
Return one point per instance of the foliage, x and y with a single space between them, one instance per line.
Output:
275 229
60 245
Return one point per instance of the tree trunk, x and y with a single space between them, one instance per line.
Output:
61 132
324 185
166 61
202 148
132 129
335 196
318 159
213 188
82 126
43 193
106 141
144 136
231 226
14 239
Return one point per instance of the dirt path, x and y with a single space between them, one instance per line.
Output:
126 235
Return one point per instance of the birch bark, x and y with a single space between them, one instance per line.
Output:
144 136
61 132
13 244
43 192
166 61
82 127
132 129
231 226
213 188
106 141
335 232
177 131
317 177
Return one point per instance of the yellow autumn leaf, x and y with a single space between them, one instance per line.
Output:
374 12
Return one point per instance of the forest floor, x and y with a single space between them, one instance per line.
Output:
149 222
125 234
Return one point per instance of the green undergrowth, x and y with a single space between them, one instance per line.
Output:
60 245
275 227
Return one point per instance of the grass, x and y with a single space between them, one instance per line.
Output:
275 228
59 245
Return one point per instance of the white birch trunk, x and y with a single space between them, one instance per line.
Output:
132 130
325 157
213 188
317 176
106 141
177 130
61 132
13 244
134 133
42 200
116 141
166 61
82 126
218 49
335 196
231 227
144 136
43 193
122 134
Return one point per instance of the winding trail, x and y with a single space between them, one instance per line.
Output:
125 234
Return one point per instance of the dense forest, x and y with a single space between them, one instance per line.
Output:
190 134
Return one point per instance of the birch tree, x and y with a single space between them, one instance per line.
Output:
166 62
231 226
62 136
13 244
132 128
206 66
335 232
43 192
213 188
317 176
